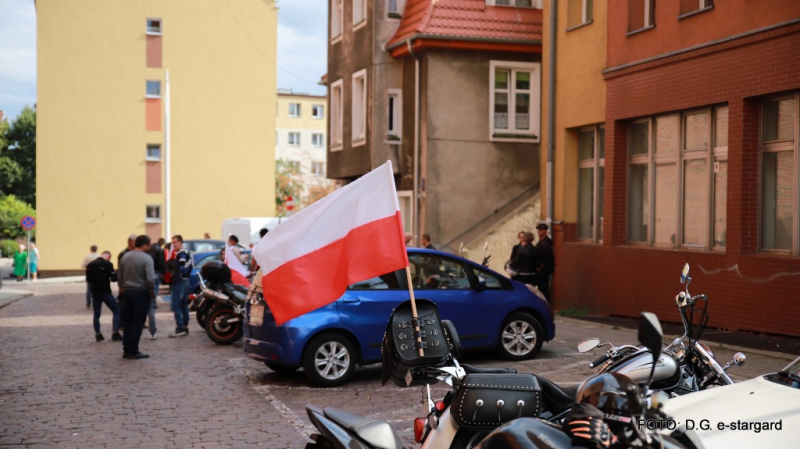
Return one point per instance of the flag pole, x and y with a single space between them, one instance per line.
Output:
414 311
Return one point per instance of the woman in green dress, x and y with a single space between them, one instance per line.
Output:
20 263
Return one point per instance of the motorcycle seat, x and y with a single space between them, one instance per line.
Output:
556 399
240 288
476 370
374 432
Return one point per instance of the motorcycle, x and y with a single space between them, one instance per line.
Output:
221 304
686 365
612 412
479 400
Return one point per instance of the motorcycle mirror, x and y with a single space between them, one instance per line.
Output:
685 274
588 345
652 337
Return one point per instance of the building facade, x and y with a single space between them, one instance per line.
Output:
698 164
449 91
301 140
108 124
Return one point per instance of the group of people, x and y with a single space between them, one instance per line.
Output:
533 264
142 265
26 260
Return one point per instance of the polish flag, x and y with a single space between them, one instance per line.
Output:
238 271
353 234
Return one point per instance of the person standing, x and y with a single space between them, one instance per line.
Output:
20 262
182 269
91 257
99 276
426 241
527 260
511 267
129 248
33 260
159 265
136 284
547 260
253 264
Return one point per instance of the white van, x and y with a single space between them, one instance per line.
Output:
247 228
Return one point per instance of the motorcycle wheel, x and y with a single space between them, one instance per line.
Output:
201 319
521 337
219 332
468 439
281 369
329 360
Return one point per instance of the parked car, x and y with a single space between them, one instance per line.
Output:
203 245
488 309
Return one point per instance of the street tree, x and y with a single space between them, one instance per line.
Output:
287 183
18 157
12 210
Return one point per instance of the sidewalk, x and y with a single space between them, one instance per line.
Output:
12 295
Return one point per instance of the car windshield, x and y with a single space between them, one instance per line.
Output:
789 376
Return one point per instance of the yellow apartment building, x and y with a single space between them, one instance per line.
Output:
580 102
301 137
153 117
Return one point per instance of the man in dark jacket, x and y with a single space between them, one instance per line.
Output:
527 260
159 267
180 286
136 285
547 260
99 275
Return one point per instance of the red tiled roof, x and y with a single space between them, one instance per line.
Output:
470 19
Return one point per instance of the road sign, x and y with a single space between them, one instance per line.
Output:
27 222
289 203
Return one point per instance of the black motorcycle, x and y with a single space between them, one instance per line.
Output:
221 304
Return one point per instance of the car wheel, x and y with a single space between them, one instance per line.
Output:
521 337
281 369
329 360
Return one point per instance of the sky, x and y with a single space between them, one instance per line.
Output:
302 50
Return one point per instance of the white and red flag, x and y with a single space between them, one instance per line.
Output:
353 234
238 271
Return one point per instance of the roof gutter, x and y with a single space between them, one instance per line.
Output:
462 38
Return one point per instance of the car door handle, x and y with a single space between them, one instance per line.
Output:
352 300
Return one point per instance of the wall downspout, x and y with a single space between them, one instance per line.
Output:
167 156
416 142
551 113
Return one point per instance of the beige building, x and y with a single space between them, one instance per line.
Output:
300 138
151 120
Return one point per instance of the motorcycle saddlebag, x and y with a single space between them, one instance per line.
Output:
400 349
486 401
216 271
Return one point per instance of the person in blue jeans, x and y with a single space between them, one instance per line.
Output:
181 270
99 275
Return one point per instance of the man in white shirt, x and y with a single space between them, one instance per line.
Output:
91 257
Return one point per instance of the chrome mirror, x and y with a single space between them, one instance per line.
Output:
685 274
588 345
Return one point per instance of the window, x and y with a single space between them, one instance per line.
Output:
153 26
394 8
360 106
337 115
514 100
317 111
641 14
678 178
336 19
433 272
690 6
153 89
294 166
591 178
492 282
317 168
779 174
359 11
393 115
579 12
294 109
384 282
153 152
153 214
517 3
294 139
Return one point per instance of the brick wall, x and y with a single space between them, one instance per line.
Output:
748 290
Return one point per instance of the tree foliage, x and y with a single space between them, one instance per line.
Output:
12 210
18 157
287 183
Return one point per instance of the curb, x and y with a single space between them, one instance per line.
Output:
13 297
746 350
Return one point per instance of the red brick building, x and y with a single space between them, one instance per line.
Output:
701 165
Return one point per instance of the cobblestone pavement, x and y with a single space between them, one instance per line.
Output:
60 389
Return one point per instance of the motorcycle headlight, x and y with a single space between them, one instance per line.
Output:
710 352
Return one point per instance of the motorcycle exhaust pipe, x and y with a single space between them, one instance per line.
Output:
213 294
233 320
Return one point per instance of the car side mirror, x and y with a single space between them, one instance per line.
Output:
685 274
588 345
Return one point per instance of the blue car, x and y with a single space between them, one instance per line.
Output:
488 309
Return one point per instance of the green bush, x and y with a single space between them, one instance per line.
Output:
11 212
8 247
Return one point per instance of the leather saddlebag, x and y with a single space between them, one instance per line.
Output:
486 401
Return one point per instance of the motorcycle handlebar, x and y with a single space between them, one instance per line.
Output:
600 360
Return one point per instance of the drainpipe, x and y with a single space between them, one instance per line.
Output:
167 205
551 113
416 142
